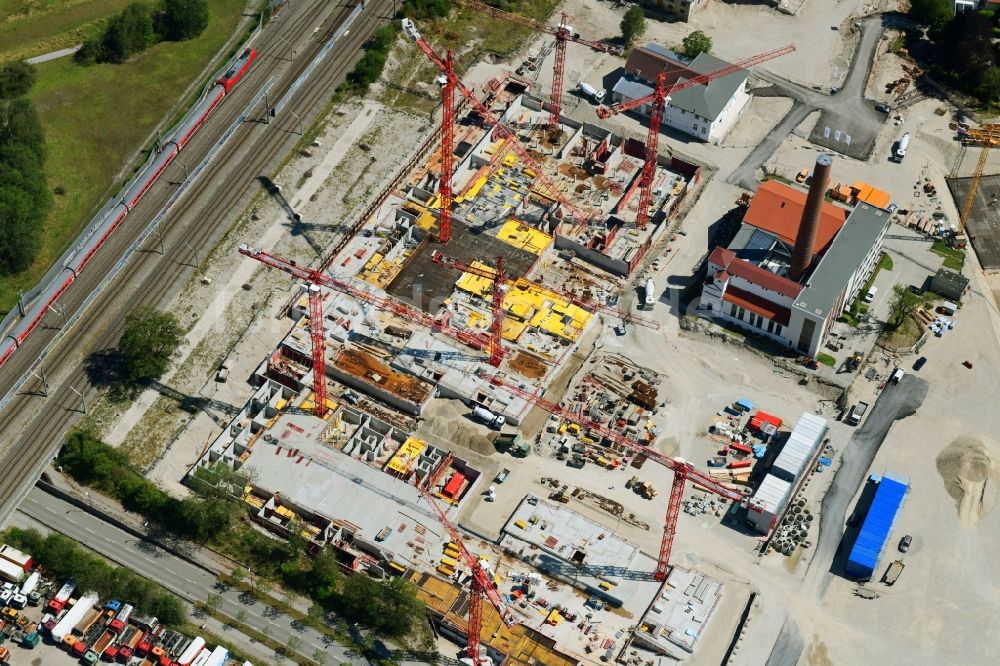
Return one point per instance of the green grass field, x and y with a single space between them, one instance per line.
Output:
96 116
471 35
33 27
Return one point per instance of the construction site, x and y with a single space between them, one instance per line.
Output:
472 281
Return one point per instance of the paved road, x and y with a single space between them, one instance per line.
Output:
186 580
847 112
32 427
54 55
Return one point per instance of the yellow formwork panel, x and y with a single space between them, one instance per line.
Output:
406 455
525 237
474 189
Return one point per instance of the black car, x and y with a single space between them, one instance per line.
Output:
884 108
904 543
919 363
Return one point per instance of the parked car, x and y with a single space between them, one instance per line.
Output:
904 543
919 363
884 108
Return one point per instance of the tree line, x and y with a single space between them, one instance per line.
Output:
963 52
140 26
63 559
25 198
218 519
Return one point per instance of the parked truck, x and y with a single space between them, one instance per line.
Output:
30 584
15 556
649 294
592 93
904 143
857 413
489 418
11 571
104 642
120 620
192 651
62 597
73 616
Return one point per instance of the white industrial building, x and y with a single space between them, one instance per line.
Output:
705 111
795 264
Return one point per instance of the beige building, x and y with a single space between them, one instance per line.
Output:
682 9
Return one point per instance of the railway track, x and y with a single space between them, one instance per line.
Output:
196 222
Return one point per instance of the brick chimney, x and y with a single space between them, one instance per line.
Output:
805 240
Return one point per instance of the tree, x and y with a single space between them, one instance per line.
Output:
965 47
902 304
183 19
16 79
696 43
25 198
149 342
127 33
989 85
319 656
633 24
934 13
213 601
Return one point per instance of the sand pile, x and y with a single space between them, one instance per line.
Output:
448 421
971 475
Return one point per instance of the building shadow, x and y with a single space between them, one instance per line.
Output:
838 567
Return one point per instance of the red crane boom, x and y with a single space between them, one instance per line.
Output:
549 187
682 469
403 310
608 111
585 303
563 33
482 584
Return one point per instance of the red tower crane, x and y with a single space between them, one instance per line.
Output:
499 278
682 469
658 100
447 149
585 303
403 310
552 191
482 585
318 346
563 33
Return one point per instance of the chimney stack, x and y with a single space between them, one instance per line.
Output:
805 241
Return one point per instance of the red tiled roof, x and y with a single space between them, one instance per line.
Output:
721 256
777 208
754 274
758 304
648 64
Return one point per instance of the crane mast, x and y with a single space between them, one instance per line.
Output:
682 469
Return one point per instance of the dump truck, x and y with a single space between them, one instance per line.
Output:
104 641
857 413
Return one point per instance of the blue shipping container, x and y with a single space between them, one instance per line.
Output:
878 523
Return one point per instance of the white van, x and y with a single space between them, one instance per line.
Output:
872 293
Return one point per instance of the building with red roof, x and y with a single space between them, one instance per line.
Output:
749 282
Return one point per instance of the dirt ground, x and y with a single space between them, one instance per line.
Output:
231 304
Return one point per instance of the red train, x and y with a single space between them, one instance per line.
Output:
113 214
239 67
